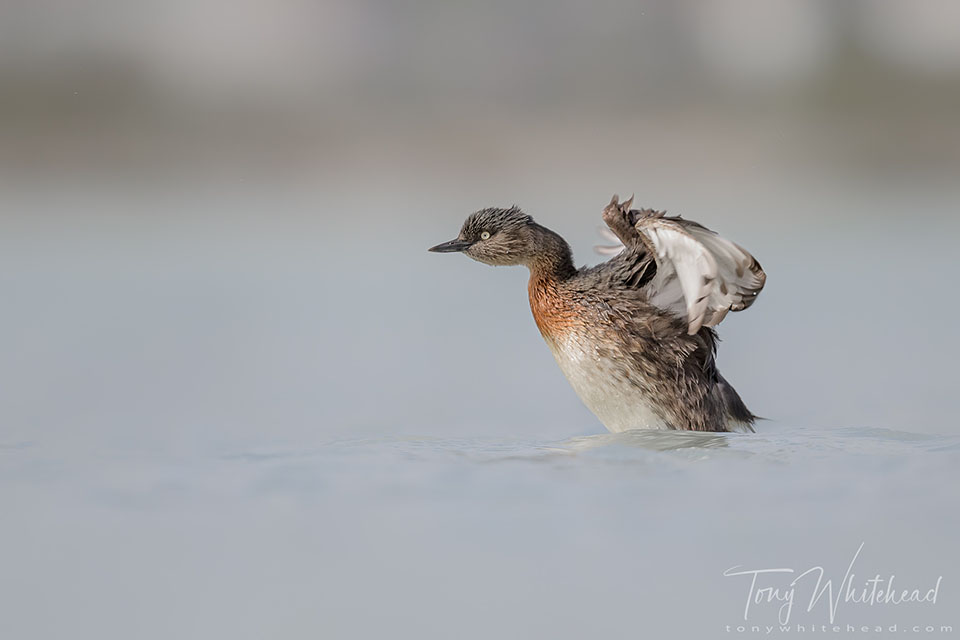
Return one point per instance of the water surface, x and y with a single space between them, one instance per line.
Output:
619 534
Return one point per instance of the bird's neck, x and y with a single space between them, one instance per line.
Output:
552 260
551 263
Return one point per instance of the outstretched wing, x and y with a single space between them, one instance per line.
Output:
699 274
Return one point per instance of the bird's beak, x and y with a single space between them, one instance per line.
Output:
451 247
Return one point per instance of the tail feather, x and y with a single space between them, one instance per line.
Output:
737 412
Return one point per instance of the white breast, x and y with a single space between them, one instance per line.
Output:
619 403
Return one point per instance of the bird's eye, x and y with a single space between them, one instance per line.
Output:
485 235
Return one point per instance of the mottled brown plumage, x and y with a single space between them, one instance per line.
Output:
633 334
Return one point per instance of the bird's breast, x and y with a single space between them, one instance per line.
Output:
587 352
554 310
607 382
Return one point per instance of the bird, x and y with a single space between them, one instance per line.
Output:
634 335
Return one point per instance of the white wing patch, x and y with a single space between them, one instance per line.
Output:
699 274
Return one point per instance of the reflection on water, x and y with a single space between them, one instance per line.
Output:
653 440
775 443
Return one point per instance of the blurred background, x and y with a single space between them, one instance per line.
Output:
215 218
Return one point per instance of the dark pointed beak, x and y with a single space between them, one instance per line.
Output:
451 247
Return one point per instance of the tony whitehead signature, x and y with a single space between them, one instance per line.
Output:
768 586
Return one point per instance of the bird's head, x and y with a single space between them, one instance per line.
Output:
495 236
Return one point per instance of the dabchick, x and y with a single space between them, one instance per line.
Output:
633 335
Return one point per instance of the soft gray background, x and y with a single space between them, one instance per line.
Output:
239 399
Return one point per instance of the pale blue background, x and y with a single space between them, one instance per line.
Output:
239 399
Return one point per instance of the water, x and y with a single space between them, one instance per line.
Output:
475 537
218 423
